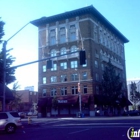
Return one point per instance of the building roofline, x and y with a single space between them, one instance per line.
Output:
85 10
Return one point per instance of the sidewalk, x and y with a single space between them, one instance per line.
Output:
84 118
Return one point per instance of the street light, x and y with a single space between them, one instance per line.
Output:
4 64
79 91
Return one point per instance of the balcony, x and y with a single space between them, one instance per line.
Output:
66 56
116 64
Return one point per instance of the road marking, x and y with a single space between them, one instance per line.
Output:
50 122
79 131
95 124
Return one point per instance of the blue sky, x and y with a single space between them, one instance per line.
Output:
123 14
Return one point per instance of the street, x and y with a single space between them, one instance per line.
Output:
101 128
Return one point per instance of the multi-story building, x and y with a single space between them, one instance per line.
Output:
28 100
61 34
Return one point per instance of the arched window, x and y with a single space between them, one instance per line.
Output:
63 51
53 52
73 49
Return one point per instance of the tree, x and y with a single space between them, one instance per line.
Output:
1 30
9 61
134 94
16 103
111 86
55 103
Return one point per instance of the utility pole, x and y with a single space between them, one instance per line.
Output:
4 73
4 65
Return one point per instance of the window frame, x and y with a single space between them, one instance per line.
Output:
63 65
53 79
54 68
74 64
53 92
64 89
44 80
44 92
74 90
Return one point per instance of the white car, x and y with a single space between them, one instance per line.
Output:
9 121
30 113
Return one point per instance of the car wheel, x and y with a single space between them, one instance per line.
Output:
10 128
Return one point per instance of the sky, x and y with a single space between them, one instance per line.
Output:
123 14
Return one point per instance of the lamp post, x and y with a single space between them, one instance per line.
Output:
4 64
79 91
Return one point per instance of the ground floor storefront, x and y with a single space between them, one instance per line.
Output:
67 106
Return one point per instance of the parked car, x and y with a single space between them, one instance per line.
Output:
22 114
9 121
30 113
132 113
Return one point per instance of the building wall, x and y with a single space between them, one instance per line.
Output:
91 45
100 43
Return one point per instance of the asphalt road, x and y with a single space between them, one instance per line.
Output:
112 128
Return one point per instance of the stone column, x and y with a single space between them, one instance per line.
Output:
47 35
67 31
57 32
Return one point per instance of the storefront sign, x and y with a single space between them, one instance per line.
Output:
62 101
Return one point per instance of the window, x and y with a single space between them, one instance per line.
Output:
102 66
63 78
85 89
84 75
74 90
53 79
72 33
3 116
74 77
64 91
54 68
44 68
97 89
62 35
14 114
53 92
95 33
73 49
101 38
74 64
44 93
85 65
52 37
63 65
44 80
63 51
96 64
97 77
53 53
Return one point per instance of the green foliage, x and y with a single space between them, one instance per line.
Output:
16 103
9 61
9 72
55 103
1 30
111 86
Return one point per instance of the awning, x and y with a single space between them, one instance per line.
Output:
85 98
67 99
42 102
8 93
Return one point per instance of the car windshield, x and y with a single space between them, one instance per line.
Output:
14 114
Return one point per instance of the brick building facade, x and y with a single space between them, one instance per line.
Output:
68 32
